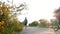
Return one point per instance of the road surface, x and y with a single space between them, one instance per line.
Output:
36 30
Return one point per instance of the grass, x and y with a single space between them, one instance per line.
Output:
54 26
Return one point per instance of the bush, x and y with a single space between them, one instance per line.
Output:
8 26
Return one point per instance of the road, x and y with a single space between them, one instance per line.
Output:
36 30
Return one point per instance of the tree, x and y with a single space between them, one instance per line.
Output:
57 13
43 22
8 20
34 23
54 22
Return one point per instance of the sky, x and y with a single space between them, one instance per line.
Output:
37 9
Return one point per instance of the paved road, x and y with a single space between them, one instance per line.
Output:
35 30
58 32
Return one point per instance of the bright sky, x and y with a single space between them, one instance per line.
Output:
38 9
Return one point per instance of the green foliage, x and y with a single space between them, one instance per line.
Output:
42 26
54 26
8 24
43 23
14 28
18 27
35 23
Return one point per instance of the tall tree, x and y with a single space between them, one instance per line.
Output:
7 26
43 22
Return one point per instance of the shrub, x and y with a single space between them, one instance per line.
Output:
6 25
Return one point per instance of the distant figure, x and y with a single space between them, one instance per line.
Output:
25 21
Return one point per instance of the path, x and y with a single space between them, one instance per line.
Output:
35 30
